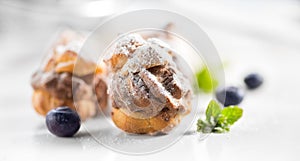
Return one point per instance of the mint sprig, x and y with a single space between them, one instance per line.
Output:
219 120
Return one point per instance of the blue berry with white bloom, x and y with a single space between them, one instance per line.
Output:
230 96
253 80
63 122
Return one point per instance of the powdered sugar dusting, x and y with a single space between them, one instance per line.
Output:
137 91
128 44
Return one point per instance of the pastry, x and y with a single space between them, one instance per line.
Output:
149 93
59 83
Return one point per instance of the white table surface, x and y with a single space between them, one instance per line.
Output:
260 36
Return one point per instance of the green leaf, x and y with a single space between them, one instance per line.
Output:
204 126
221 127
219 120
231 114
205 80
213 112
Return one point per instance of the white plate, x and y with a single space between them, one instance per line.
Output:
188 40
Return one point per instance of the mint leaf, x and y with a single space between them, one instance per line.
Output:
205 80
231 114
204 126
219 120
221 129
213 112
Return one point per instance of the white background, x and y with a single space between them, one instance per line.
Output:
260 36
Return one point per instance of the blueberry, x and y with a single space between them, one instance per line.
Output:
63 122
230 96
253 80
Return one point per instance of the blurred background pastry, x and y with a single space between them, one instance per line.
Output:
59 82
